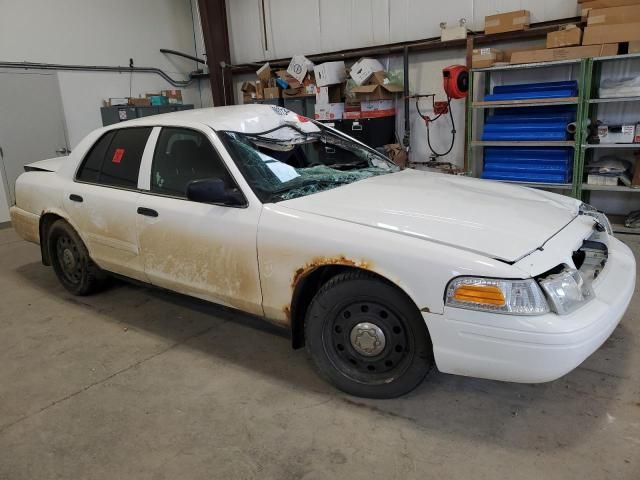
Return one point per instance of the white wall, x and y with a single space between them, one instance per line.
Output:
316 26
95 32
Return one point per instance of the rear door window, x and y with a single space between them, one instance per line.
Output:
119 156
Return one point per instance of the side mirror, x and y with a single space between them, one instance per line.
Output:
212 190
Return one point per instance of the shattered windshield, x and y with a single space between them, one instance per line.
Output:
288 162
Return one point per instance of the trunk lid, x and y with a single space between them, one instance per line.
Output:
48 165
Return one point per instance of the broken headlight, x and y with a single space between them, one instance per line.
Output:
566 291
601 218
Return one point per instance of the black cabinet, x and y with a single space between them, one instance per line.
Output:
121 113
374 132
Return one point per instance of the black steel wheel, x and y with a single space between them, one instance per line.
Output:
68 258
366 337
71 262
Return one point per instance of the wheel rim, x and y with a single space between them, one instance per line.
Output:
68 259
368 342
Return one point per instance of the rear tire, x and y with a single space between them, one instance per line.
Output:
366 337
71 262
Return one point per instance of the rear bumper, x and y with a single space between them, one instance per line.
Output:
26 224
536 348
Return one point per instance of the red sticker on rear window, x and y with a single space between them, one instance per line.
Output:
117 155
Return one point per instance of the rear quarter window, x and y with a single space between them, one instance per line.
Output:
90 169
115 159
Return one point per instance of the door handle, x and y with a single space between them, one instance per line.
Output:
148 212
75 198
63 151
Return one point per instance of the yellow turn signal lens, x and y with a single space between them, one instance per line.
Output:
483 294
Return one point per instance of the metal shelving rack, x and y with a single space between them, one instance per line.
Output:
587 102
592 83
474 105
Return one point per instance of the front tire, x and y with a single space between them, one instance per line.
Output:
71 262
366 337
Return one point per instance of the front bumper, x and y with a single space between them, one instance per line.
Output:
537 348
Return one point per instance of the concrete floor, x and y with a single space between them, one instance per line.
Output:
138 384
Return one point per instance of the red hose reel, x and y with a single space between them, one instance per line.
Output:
456 81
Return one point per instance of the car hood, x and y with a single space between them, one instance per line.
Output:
494 219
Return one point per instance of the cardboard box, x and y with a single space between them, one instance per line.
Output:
379 89
290 81
373 105
622 32
264 74
568 53
329 94
377 108
116 101
363 70
458 32
616 133
354 115
396 154
507 52
377 92
329 111
299 66
271 92
330 73
602 180
485 57
634 47
248 88
174 96
567 37
614 15
607 3
507 22
139 102
259 90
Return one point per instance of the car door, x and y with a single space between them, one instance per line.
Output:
199 249
102 201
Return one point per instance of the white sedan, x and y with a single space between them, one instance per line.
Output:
379 272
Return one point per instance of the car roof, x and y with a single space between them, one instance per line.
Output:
248 118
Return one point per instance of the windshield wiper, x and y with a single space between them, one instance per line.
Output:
339 166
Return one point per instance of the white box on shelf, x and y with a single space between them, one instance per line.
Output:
607 180
330 73
616 133
329 111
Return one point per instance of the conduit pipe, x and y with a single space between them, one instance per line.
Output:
100 68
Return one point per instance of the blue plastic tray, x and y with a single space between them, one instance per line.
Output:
524 135
527 177
528 87
525 154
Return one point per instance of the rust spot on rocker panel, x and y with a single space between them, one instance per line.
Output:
321 261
